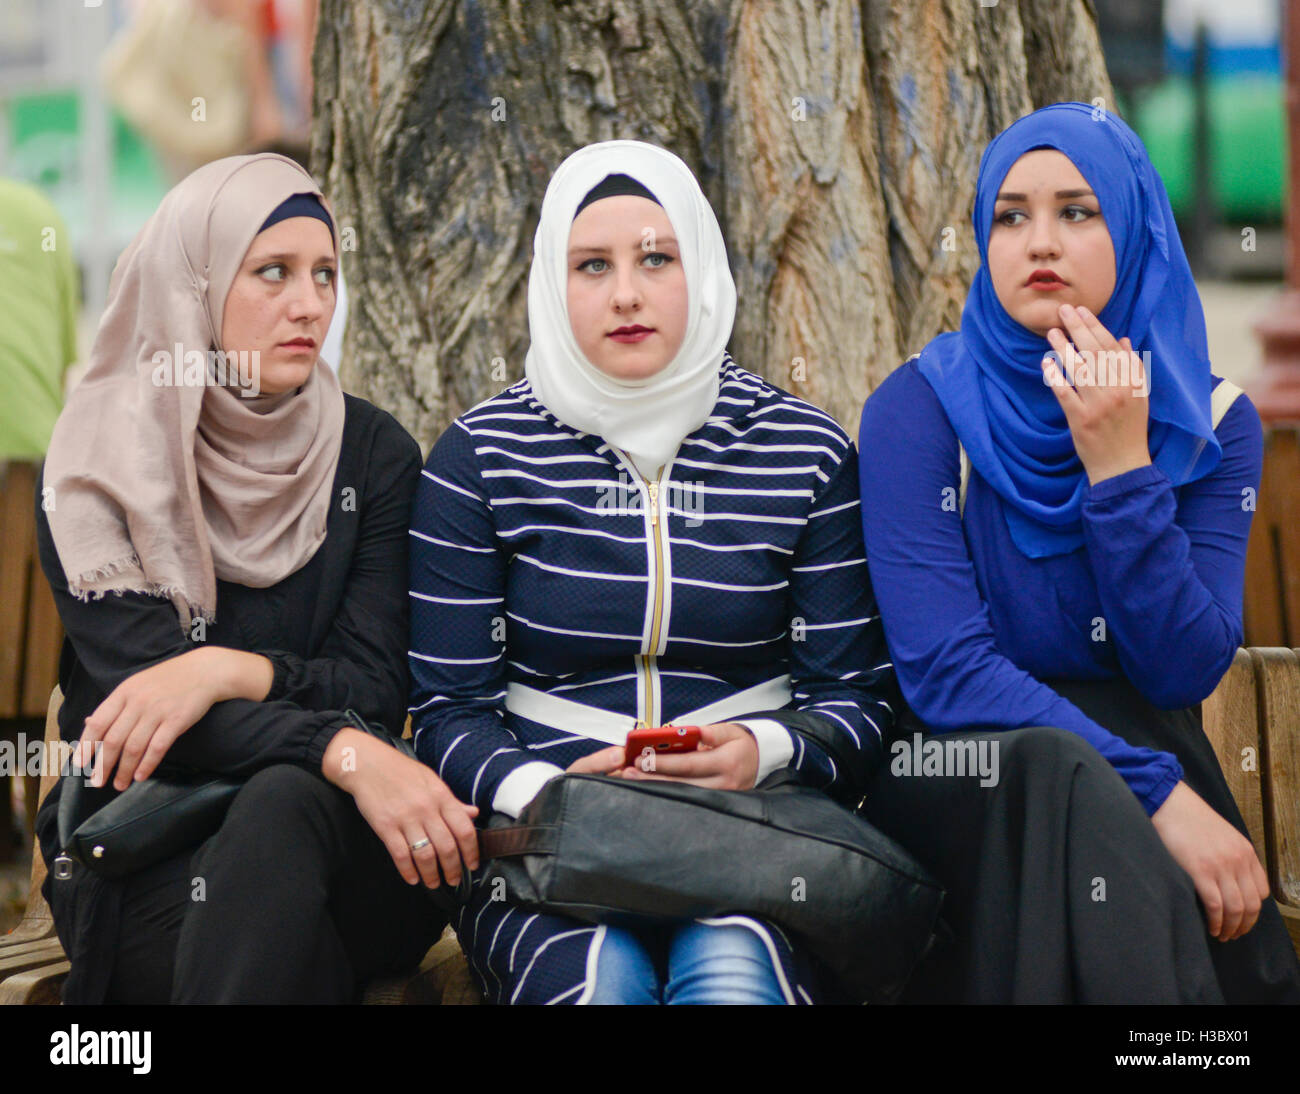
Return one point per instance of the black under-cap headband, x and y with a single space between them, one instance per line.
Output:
299 205
612 186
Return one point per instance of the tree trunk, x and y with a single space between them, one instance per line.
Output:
838 143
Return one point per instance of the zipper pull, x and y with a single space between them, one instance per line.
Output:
654 502
62 867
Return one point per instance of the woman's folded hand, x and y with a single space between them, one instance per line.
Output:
1221 862
411 810
142 717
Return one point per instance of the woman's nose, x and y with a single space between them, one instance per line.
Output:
305 300
1044 238
627 295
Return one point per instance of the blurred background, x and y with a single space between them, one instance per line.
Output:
84 117
1200 80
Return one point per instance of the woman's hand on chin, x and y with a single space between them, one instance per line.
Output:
411 810
137 723
1221 862
1103 393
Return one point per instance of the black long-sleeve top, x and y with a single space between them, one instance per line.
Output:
335 630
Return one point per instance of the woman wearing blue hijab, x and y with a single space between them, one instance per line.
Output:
1056 501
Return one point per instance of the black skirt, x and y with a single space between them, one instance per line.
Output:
1059 888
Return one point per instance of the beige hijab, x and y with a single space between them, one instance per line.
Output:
162 488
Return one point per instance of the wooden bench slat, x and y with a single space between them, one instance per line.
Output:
1262 605
1277 677
1284 503
44 643
1231 720
37 923
17 536
1291 917
17 949
39 986
21 958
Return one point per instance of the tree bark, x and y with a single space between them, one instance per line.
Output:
838 143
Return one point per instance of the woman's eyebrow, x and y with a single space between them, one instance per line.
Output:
638 245
1006 195
288 258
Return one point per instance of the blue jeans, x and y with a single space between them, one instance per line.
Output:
701 963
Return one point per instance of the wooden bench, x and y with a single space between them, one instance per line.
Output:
1252 719
30 631
1272 597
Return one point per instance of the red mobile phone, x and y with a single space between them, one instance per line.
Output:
660 739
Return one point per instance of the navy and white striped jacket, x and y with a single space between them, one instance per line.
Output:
541 558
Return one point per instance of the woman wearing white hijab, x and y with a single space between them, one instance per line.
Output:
640 532
225 534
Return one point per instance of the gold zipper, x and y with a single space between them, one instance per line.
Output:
656 618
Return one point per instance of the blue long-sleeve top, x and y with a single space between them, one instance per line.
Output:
974 626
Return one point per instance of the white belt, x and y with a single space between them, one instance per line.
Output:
604 725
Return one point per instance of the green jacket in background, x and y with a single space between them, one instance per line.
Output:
38 319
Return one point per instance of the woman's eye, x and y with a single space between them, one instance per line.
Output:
1011 217
1077 213
273 272
593 265
325 275
657 260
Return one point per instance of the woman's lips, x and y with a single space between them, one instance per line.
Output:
299 345
1044 281
631 334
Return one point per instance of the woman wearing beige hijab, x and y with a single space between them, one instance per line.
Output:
225 532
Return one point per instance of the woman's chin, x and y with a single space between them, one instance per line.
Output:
278 377
1040 316
631 367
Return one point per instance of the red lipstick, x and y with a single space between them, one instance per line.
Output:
1045 281
633 333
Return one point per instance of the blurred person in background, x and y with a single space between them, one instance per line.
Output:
38 319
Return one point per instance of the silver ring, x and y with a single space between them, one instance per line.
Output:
420 844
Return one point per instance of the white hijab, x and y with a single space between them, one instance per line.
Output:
646 418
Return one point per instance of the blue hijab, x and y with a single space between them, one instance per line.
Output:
989 376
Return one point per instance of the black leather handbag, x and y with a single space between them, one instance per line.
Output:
606 850
153 819
147 822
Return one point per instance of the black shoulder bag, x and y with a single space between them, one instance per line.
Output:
607 850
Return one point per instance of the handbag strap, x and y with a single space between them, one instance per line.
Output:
518 839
